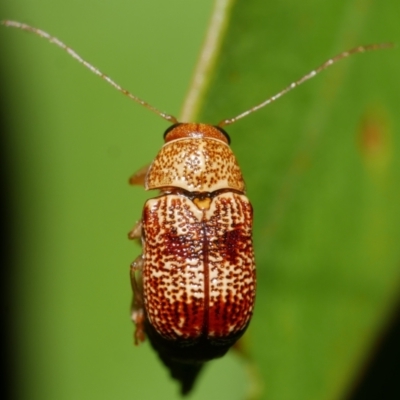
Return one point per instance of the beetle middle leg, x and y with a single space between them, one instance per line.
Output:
136 232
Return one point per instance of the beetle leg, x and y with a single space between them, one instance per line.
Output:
139 177
136 232
137 308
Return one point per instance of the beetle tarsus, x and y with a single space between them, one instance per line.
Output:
138 318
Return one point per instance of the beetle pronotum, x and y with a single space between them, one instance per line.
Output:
194 283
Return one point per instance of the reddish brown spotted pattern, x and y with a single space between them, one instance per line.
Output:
198 272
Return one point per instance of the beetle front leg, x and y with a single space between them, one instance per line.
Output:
139 177
137 308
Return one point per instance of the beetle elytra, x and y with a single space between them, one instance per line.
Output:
194 283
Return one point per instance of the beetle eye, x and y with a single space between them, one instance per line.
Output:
170 129
224 133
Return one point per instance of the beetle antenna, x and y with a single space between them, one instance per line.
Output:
326 64
73 54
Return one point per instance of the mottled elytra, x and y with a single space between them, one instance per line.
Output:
194 283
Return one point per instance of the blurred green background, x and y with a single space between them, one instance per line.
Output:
321 165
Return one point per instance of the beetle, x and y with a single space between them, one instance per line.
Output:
194 283
197 268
